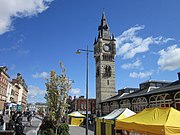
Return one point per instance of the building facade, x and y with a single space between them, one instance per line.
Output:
18 94
104 53
79 104
22 96
13 94
4 79
10 101
150 94
24 99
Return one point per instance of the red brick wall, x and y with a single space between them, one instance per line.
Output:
81 105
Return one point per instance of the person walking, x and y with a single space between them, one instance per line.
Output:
29 119
19 127
1 122
12 120
13 116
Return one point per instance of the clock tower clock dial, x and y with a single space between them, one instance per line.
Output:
104 53
106 47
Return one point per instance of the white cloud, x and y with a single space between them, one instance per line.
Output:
10 9
140 74
34 94
136 64
170 58
75 91
129 44
33 91
43 75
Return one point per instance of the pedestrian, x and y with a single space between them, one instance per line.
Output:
19 127
13 116
29 119
19 119
1 122
11 125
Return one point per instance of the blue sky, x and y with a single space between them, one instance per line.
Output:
35 35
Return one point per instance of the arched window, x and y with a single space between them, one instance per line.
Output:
167 100
152 99
164 100
177 100
125 104
105 108
159 100
152 102
135 105
177 95
114 105
138 104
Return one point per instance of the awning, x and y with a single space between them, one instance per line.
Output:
152 121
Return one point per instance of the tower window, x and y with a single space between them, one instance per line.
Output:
107 69
107 82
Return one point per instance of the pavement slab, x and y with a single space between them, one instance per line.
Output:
76 130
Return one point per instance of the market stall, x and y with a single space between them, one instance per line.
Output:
76 118
105 125
152 121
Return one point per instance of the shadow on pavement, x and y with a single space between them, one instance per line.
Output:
90 127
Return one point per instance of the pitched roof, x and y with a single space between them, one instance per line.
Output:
169 87
4 70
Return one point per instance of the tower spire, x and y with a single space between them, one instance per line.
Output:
103 29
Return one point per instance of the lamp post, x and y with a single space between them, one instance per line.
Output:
87 54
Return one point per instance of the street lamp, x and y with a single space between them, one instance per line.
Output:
87 53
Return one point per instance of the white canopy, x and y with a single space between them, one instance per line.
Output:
76 114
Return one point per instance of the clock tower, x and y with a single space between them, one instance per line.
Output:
104 53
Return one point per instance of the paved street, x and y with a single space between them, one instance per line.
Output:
76 130
32 130
29 130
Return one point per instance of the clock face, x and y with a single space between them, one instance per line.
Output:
106 48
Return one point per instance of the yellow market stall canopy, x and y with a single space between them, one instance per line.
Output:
76 118
152 121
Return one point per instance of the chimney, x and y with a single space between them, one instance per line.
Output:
178 75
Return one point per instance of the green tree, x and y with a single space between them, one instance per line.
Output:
57 87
